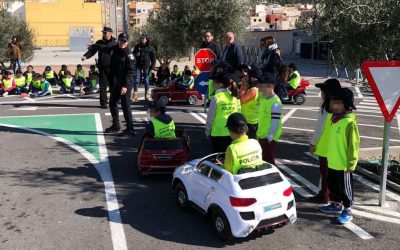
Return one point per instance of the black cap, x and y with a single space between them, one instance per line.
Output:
236 121
346 96
37 75
293 66
157 105
187 73
48 68
18 72
266 78
7 73
107 29
329 85
123 37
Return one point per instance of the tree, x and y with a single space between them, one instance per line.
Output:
12 26
178 25
359 29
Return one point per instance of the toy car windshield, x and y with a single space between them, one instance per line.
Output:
163 145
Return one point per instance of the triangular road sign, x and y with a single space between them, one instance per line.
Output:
384 79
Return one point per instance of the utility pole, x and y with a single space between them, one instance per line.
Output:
125 16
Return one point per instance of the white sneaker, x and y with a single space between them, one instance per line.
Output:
5 94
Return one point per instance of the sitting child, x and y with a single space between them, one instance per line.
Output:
61 73
186 81
67 83
161 125
21 83
40 86
8 86
29 74
80 76
92 82
50 76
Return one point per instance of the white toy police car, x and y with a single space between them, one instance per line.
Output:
238 204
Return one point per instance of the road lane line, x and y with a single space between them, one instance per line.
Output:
398 122
288 115
367 107
294 143
351 226
104 169
358 92
195 115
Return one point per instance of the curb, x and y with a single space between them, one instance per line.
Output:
375 177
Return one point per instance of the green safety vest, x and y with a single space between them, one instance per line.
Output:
176 73
29 78
94 83
246 153
162 130
210 88
80 74
250 109
62 72
265 118
226 105
37 84
7 83
338 149
67 82
20 81
295 82
321 147
49 75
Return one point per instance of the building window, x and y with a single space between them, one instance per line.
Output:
138 21
138 11
259 20
255 20
90 1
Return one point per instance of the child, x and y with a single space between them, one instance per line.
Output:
21 84
92 81
40 87
163 75
222 105
186 81
8 86
243 153
344 143
50 76
161 125
249 99
195 71
67 83
61 74
80 76
175 74
28 74
320 139
269 117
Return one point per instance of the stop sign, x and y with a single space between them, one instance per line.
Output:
204 59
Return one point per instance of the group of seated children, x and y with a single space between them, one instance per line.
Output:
181 80
34 84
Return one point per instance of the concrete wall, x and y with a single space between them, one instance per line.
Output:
52 20
284 39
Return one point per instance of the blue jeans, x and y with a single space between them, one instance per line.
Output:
16 65
139 74
63 89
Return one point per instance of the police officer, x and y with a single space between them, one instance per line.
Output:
243 152
122 71
104 47
161 125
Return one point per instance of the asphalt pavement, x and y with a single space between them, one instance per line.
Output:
55 191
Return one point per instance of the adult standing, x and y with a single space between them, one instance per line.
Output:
232 56
122 71
271 60
208 43
104 48
15 54
145 61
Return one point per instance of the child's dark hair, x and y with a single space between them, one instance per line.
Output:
239 130
222 77
325 106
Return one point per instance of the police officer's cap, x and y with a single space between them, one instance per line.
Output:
329 85
123 37
236 121
107 29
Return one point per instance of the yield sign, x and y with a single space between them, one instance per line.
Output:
384 79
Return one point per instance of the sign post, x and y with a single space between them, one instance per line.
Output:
204 60
384 79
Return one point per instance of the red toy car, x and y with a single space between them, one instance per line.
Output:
162 156
172 94
298 96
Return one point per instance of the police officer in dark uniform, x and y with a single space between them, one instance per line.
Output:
122 70
104 47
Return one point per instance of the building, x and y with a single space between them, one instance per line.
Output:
64 23
140 11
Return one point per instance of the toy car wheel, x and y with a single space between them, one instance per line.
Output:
164 99
299 99
192 100
221 225
181 196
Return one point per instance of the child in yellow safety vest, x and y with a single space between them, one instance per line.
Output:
50 76
80 75
343 150
61 73
222 105
320 139
7 86
243 153
161 125
21 84
40 87
67 83
92 82
28 74
269 117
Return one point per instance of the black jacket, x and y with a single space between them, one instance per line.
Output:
122 67
145 56
232 56
104 48
214 47
271 62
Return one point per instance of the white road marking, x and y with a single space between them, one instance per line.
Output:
116 227
40 108
199 118
17 116
294 143
367 107
288 115
358 92
119 241
398 122
374 104
351 226
144 112
38 100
